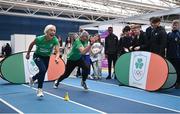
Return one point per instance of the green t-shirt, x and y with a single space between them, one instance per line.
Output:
44 47
75 54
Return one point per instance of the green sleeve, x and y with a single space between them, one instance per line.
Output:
78 45
56 42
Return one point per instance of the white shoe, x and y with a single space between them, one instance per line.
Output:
40 92
90 77
55 86
31 82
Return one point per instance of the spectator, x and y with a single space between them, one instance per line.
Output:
149 30
173 49
7 50
95 56
158 38
111 50
125 41
139 42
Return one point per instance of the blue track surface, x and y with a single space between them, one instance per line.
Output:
5 108
102 97
103 102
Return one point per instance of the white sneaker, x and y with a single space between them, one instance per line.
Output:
40 92
31 82
90 77
55 86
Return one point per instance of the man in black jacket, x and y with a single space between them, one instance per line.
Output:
158 38
111 50
173 49
139 42
149 30
125 41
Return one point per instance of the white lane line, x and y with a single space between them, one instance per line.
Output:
69 100
137 89
149 104
11 106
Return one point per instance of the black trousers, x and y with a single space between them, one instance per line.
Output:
70 67
111 58
176 63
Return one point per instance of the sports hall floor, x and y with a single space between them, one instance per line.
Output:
103 96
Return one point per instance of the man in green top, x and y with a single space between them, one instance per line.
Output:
44 47
74 58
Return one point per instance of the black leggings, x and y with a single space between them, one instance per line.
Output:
70 67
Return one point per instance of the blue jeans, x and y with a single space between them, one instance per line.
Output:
42 63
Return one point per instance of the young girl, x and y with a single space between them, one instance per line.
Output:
96 50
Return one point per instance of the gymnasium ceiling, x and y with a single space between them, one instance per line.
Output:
86 10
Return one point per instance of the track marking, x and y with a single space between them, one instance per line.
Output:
134 88
69 100
149 104
11 106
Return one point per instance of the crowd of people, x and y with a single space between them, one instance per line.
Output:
82 50
155 39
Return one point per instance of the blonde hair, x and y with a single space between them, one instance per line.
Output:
176 22
48 27
134 26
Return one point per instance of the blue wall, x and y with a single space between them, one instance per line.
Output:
26 25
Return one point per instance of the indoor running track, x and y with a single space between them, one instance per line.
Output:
102 97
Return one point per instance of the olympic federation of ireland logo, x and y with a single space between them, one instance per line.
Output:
139 67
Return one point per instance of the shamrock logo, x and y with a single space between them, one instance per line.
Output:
139 63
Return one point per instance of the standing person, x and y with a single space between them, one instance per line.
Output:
75 59
139 42
2 50
125 41
61 48
67 49
158 38
95 56
7 50
173 49
111 50
149 30
44 47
